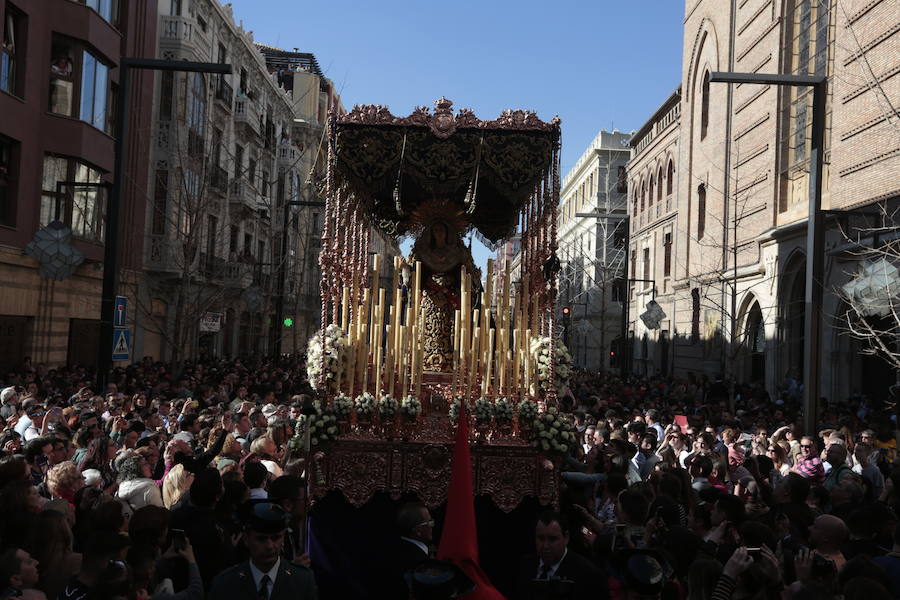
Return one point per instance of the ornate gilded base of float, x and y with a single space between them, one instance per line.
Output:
362 462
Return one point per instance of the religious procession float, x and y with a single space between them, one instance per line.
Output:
394 362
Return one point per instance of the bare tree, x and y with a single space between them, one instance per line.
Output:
872 296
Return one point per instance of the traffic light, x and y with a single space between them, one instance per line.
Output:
288 322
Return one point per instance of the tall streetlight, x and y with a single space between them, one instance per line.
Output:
815 235
111 239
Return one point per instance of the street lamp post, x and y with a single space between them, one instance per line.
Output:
815 235
278 324
111 238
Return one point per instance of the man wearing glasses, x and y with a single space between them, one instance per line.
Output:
808 464
416 529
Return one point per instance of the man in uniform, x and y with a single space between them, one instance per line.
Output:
266 576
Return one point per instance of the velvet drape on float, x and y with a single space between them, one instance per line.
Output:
459 539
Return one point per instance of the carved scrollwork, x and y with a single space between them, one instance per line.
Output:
507 473
443 123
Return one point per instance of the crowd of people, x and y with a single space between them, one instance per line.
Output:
183 485
698 489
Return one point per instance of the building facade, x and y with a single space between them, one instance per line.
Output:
227 158
592 230
742 185
653 177
58 95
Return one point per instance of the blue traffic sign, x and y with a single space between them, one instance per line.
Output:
120 313
121 344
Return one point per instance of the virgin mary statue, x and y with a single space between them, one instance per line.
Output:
440 248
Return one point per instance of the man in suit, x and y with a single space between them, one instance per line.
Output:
416 528
568 575
411 548
266 576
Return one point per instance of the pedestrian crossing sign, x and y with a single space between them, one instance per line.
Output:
121 344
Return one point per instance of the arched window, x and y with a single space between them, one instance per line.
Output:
659 185
704 106
701 211
808 51
643 195
650 199
634 199
670 177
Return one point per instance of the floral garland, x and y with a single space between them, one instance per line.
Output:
364 405
387 407
503 411
342 406
322 428
483 410
528 411
540 351
553 431
410 408
335 350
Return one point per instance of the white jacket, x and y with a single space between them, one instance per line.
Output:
139 493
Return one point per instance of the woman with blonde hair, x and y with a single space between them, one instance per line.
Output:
64 480
177 482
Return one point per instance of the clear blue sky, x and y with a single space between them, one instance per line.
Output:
597 64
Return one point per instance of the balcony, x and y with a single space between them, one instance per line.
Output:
288 154
238 274
182 34
242 193
246 116
224 93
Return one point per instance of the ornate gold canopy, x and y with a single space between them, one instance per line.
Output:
488 169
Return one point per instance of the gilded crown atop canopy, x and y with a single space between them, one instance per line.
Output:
443 105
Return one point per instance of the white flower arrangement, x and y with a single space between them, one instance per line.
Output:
335 351
364 405
484 410
454 408
503 411
322 428
540 351
410 408
528 411
342 406
553 432
387 407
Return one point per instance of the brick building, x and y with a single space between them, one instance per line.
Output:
742 187
58 91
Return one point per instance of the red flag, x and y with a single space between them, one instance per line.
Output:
459 537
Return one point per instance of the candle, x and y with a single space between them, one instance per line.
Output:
345 309
473 372
487 373
388 367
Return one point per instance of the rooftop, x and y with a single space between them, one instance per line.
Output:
279 58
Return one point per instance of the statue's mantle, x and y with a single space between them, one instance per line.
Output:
360 464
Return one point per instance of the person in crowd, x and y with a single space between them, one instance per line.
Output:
136 487
265 574
176 482
553 561
19 575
